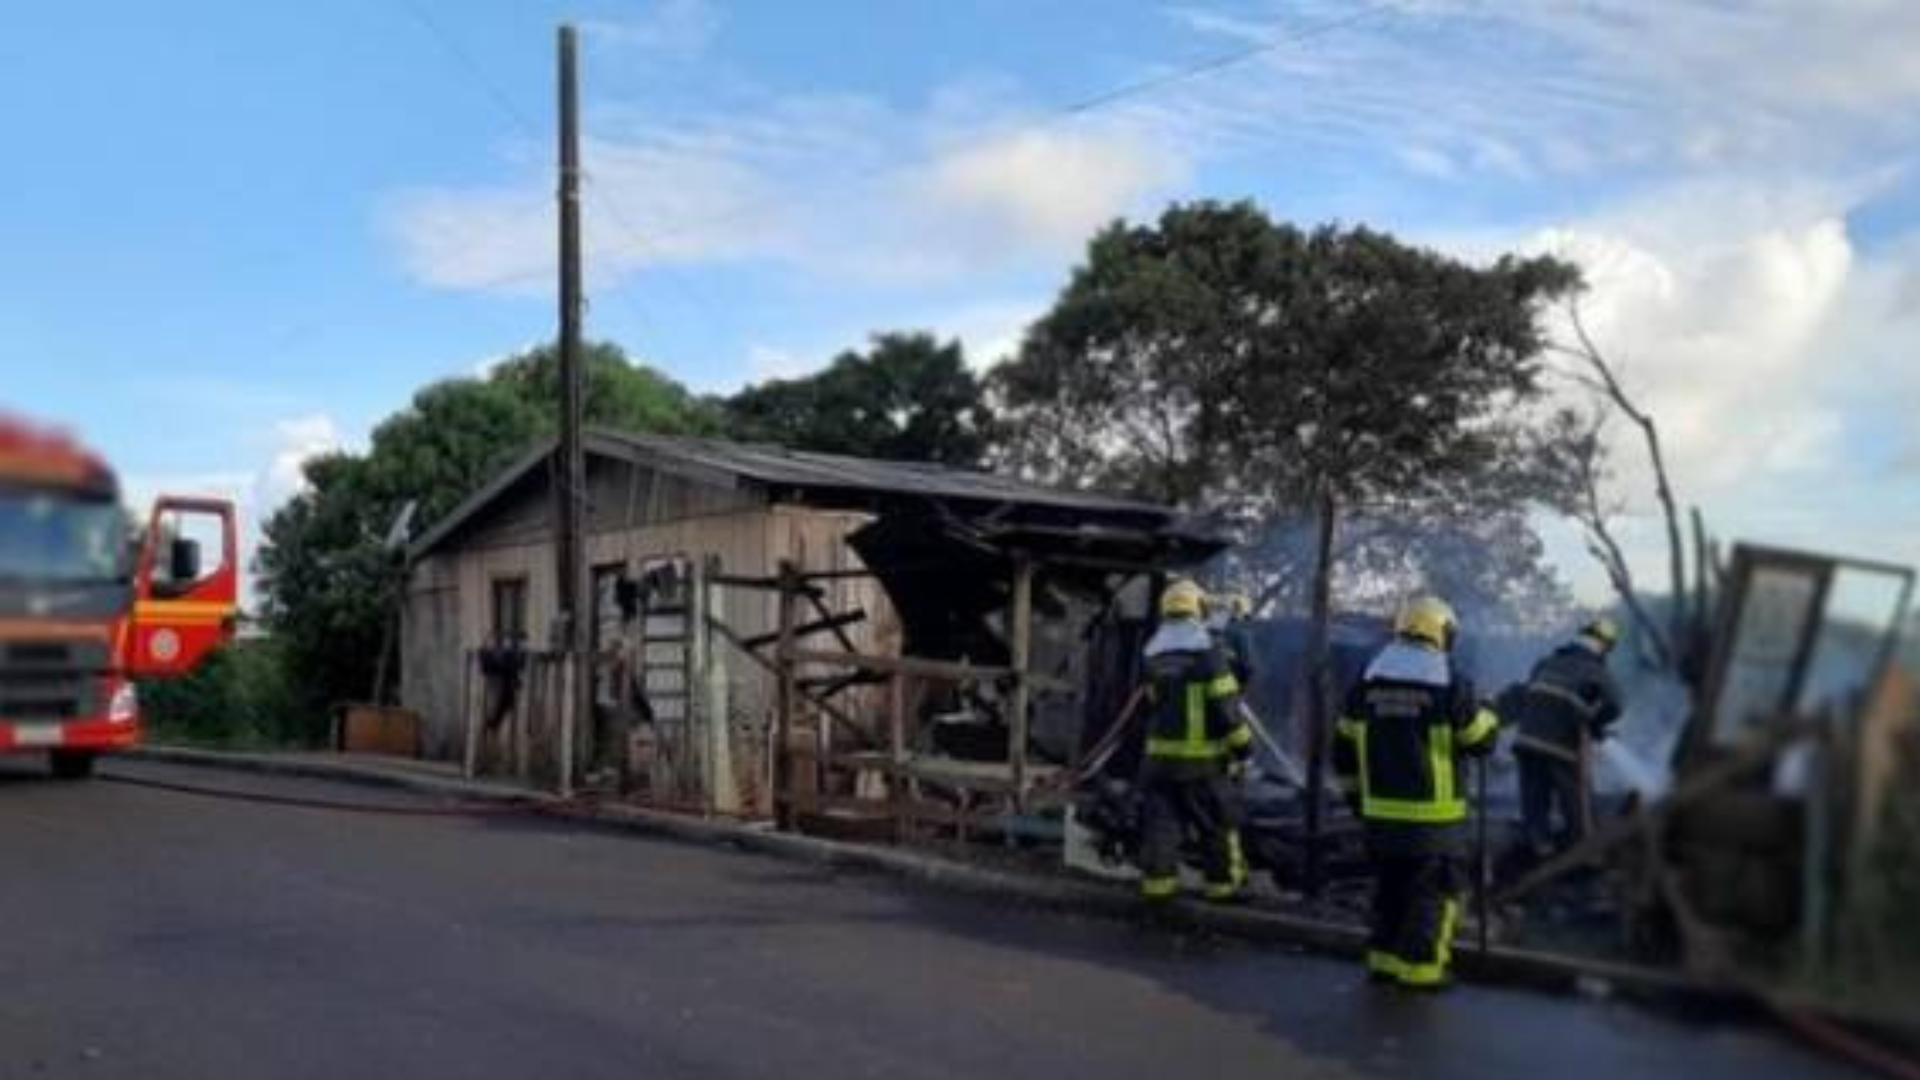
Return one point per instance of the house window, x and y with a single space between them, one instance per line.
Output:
510 608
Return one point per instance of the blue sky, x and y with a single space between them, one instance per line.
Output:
237 233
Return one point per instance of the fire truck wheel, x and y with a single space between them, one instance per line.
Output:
72 765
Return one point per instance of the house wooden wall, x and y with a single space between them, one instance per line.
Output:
636 514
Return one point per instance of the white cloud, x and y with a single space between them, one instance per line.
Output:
295 441
1722 344
1764 345
1511 89
765 362
673 28
991 331
842 187
1042 188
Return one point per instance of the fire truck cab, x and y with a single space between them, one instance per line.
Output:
89 602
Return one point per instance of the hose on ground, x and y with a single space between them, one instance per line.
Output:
1841 1043
314 802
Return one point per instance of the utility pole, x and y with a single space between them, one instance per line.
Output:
571 472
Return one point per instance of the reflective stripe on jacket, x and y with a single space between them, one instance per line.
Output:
1404 733
1194 717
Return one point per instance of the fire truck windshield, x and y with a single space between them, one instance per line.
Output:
51 537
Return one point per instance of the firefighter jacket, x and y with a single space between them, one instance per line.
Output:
1195 724
1402 740
1570 696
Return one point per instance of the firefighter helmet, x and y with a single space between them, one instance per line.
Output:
1603 632
1429 619
1182 600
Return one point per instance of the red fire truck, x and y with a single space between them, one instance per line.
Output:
89 602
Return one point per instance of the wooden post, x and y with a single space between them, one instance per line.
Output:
716 697
788 691
1022 649
1319 700
571 477
531 679
897 747
469 717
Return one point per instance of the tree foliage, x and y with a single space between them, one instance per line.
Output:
909 397
1250 370
242 694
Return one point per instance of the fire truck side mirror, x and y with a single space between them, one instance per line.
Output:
184 560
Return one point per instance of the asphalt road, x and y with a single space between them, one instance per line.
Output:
154 935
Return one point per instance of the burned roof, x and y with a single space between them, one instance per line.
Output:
832 481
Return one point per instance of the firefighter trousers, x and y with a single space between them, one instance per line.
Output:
1416 908
1549 785
1175 807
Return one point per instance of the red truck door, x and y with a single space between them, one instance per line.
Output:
186 586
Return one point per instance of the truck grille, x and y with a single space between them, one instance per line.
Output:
44 698
51 680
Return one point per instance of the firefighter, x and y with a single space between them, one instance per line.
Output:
1227 619
1197 747
1399 752
1568 703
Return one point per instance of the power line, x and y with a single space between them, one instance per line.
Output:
1066 112
1220 62
1100 100
480 75
505 102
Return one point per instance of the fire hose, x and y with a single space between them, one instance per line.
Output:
348 806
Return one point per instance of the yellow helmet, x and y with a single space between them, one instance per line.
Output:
1602 631
1182 600
1429 619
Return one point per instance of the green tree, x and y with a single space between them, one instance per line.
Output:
619 392
240 695
328 583
907 398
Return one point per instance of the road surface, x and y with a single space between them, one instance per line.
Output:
154 935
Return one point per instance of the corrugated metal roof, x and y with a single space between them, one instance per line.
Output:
798 468
720 461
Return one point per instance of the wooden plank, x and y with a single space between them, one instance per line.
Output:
827 618
772 668
897 748
827 686
785 694
836 575
986 776
834 623
921 667
1022 703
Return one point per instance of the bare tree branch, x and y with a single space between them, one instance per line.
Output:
1605 382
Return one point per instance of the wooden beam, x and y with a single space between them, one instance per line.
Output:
827 686
952 671
1645 822
773 668
835 623
1018 723
827 619
739 582
784 700
835 575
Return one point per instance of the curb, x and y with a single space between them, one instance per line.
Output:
1499 965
